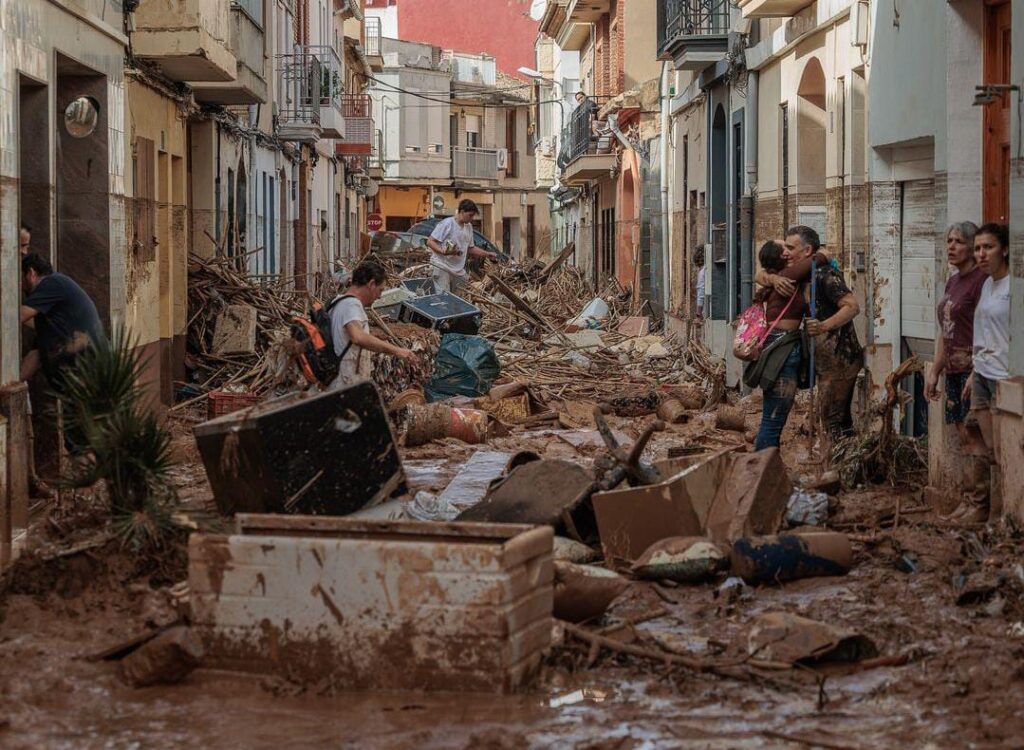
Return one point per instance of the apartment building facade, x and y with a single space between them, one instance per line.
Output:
859 119
454 127
140 132
609 163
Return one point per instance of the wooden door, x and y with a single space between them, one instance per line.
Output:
996 137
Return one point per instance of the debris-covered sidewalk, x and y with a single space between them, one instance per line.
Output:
557 516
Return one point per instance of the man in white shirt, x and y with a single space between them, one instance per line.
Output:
701 284
350 329
451 243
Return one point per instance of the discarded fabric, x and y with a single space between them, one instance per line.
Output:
807 508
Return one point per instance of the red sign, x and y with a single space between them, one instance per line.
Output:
374 222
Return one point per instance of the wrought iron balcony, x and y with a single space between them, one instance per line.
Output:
693 33
373 31
586 148
311 90
474 163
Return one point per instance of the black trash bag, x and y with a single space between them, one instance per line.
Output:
464 366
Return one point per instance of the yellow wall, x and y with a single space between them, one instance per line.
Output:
157 303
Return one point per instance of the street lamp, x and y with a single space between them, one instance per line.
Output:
535 75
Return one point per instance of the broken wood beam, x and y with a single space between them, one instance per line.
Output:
555 264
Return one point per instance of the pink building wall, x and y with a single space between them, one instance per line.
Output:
502 28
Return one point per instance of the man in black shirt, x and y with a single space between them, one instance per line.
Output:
65 319
838 354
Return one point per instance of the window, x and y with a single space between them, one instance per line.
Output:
473 131
511 141
144 177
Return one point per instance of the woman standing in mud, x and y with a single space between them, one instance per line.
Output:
955 341
777 370
991 362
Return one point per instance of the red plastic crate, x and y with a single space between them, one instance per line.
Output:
219 403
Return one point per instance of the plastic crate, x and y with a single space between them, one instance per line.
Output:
219 403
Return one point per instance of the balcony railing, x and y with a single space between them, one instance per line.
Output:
475 163
691 18
356 109
356 105
577 135
373 36
311 79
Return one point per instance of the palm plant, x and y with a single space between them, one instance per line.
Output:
118 440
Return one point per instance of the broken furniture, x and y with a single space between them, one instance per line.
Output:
316 454
725 496
558 493
375 604
443 311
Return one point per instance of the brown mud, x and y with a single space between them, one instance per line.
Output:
962 686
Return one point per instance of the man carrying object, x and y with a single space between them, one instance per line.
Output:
450 244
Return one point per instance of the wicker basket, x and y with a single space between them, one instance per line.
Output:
220 403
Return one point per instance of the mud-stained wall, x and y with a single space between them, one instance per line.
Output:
156 267
30 35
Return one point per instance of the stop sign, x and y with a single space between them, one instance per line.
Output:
374 222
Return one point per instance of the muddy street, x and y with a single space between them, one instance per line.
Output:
947 675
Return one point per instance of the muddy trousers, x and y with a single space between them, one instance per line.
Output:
834 401
778 402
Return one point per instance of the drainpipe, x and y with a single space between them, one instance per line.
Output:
216 196
749 190
665 234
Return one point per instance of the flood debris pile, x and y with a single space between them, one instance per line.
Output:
219 294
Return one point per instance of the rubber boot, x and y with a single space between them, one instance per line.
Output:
974 506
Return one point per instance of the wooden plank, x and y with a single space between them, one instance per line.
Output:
554 265
271 524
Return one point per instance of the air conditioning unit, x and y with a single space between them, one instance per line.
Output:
502 158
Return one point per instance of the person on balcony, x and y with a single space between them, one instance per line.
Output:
451 243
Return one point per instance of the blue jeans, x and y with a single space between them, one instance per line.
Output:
778 400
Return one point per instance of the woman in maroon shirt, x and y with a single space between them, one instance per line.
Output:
955 311
955 335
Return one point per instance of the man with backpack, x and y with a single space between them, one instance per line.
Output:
350 328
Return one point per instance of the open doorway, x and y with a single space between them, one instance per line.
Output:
83 182
719 211
34 163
